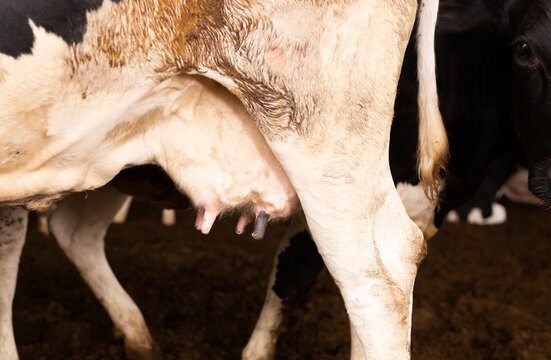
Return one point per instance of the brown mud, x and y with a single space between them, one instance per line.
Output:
481 293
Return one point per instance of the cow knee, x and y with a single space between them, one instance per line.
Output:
62 226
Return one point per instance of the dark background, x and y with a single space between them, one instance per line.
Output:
481 293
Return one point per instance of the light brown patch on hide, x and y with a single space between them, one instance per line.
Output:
128 130
26 154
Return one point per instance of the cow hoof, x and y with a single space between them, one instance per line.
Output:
143 352
256 357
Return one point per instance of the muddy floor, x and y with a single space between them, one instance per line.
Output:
482 293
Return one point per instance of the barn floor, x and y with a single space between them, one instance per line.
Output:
482 293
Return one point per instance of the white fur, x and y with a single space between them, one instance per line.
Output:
194 152
202 124
433 141
39 89
499 216
452 216
216 155
12 238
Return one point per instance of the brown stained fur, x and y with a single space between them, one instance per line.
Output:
395 299
183 36
169 31
76 58
276 104
434 177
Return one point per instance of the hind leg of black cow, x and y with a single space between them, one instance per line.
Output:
296 267
79 224
13 229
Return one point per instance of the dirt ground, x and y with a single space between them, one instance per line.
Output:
482 293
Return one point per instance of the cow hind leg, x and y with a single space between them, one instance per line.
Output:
378 298
373 260
13 229
79 224
356 349
122 213
296 267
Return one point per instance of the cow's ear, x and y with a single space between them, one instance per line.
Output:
460 15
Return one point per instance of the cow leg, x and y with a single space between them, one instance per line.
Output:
363 233
168 217
13 229
122 213
356 349
376 280
79 224
296 267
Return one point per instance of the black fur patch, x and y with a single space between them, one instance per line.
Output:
298 267
66 18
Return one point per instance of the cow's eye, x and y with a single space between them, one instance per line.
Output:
525 54
523 50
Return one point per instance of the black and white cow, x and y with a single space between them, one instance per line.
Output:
473 77
101 87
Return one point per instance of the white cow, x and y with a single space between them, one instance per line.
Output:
319 80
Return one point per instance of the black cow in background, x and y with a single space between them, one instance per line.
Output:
477 87
473 73
530 39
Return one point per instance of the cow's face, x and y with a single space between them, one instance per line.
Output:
531 92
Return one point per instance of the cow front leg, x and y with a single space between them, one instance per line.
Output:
296 267
13 229
79 224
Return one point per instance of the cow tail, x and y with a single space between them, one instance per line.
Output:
432 152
